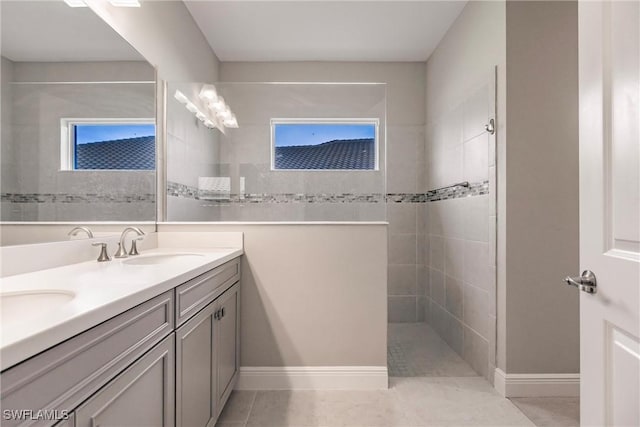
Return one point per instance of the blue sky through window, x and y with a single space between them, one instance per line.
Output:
97 133
288 134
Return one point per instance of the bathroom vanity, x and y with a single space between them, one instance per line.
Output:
171 359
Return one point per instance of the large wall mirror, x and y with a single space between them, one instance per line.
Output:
78 120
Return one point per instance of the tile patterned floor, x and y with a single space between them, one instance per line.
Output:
416 350
410 402
550 411
430 386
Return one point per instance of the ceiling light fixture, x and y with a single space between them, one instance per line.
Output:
125 3
75 3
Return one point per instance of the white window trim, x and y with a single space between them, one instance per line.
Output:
67 152
359 121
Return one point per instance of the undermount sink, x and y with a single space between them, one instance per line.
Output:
25 305
156 259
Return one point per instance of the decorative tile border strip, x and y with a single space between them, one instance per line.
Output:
407 198
24 198
179 190
475 189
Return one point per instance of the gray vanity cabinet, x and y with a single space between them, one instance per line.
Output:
137 368
61 378
207 359
228 340
142 395
195 370
69 422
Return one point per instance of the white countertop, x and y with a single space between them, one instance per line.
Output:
102 291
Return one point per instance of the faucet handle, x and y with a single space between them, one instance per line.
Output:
134 246
121 252
104 256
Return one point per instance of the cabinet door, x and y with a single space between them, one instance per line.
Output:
142 395
195 370
66 375
228 339
69 422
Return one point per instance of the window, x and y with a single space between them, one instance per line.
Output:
108 144
324 144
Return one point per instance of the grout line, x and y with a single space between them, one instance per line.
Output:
486 291
255 394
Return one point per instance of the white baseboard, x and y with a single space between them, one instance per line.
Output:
313 378
537 385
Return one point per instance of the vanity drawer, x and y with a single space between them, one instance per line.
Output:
65 375
194 295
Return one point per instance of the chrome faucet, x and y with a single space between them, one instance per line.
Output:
76 230
104 256
122 252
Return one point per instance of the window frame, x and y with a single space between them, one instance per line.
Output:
327 121
68 144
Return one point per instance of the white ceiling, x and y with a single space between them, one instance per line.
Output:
51 31
324 30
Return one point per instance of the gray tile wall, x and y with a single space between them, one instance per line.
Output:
460 233
406 270
33 186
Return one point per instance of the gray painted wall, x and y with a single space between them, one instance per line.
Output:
312 295
541 218
166 35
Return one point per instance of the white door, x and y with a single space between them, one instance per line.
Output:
609 35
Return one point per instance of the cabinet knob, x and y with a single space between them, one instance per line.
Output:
222 312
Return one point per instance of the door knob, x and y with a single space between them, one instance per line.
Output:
586 282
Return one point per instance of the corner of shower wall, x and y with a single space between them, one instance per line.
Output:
461 227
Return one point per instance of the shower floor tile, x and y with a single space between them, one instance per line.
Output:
416 350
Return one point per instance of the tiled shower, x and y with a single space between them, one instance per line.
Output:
461 231
441 243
